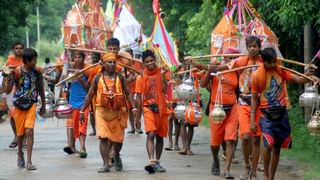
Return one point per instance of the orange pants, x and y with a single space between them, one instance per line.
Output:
228 130
153 122
244 121
79 128
110 125
24 119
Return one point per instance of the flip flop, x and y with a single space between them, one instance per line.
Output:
168 149
68 150
176 148
104 169
92 134
83 154
246 176
139 131
189 152
149 168
215 169
183 152
13 145
131 131
20 162
31 167
228 176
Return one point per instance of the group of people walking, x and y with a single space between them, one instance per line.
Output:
255 101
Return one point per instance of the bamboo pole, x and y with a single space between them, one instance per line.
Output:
193 69
216 55
102 52
236 55
296 72
130 68
297 63
76 74
233 70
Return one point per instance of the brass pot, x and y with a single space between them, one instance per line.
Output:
218 114
314 124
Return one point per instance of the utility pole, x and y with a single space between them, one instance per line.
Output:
307 49
27 37
38 22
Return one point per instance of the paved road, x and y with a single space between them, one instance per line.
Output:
52 163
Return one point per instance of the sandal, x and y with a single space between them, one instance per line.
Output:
31 167
176 148
215 169
104 169
13 144
223 157
139 131
246 174
131 131
235 161
68 150
83 154
168 149
20 162
183 152
92 134
228 176
189 152
149 168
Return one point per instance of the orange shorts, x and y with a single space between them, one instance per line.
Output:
244 120
24 119
153 122
228 130
79 128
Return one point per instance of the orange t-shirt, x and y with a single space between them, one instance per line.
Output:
150 93
14 61
228 87
245 75
273 93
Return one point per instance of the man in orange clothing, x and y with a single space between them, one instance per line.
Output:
269 95
227 130
152 86
111 92
13 60
250 140
29 84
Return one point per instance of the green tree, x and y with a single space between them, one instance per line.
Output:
12 24
51 19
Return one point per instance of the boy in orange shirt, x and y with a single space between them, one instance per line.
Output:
152 86
269 95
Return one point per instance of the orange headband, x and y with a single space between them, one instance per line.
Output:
109 57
